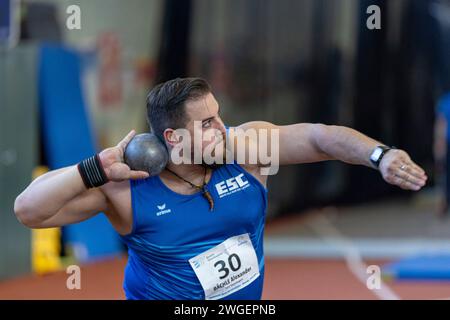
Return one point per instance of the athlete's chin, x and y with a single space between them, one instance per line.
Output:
216 160
213 166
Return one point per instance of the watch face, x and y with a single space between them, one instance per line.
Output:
376 154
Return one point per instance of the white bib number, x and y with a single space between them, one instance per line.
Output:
226 268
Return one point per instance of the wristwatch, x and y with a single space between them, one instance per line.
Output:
378 154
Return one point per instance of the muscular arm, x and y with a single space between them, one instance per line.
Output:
57 198
307 142
342 143
295 143
60 197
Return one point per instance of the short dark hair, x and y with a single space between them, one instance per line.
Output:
166 103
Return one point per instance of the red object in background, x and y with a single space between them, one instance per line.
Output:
144 72
110 74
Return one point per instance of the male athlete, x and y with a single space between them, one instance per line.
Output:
195 231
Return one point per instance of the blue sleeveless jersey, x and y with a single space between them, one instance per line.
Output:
170 228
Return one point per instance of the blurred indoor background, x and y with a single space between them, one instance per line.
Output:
65 93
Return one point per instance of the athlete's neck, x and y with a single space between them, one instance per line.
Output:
194 173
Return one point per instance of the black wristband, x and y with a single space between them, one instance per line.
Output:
384 149
92 173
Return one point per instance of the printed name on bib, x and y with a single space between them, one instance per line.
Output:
226 268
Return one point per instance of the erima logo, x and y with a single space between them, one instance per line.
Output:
232 185
162 210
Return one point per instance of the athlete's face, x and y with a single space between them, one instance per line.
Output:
204 112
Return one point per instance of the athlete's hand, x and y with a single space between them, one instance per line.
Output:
113 162
398 169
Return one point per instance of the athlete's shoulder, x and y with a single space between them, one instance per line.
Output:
256 125
247 169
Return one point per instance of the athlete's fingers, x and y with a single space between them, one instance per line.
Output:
419 170
405 184
135 175
414 170
410 178
122 144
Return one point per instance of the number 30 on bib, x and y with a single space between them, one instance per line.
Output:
226 268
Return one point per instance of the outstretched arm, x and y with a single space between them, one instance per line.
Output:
307 142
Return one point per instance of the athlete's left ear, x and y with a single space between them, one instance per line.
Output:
171 137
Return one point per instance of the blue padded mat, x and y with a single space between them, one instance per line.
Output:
68 139
420 267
